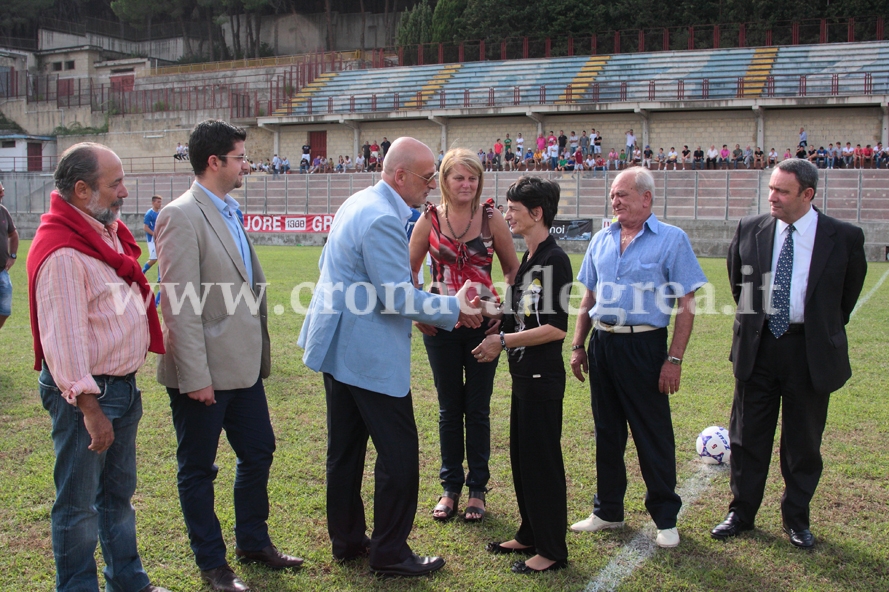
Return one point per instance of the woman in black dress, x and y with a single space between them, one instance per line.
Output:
535 320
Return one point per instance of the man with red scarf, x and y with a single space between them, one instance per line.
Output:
92 331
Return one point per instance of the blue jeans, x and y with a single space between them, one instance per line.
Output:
244 415
93 491
450 356
5 294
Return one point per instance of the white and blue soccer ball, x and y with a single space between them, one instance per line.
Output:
713 445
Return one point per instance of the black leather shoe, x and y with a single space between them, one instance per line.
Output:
411 567
731 527
362 551
153 588
520 567
804 539
270 557
498 549
223 579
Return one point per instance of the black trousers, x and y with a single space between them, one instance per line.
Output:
780 375
624 373
244 414
353 414
538 472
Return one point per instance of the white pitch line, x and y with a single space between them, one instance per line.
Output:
871 292
642 546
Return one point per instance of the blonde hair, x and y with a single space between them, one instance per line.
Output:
469 159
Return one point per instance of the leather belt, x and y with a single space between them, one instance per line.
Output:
624 328
795 328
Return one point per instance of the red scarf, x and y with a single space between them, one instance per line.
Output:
60 228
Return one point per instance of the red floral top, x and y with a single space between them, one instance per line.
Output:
454 262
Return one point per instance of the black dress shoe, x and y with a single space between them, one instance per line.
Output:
498 549
362 551
223 579
270 557
520 567
411 567
804 539
731 527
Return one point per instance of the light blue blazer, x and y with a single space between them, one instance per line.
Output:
358 325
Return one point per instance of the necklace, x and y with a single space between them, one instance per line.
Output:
451 228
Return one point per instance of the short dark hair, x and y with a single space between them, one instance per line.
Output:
805 172
534 192
80 162
212 137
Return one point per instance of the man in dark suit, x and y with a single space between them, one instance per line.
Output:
796 275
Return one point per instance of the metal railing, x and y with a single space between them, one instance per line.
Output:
856 195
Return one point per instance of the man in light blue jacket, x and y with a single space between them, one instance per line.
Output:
357 332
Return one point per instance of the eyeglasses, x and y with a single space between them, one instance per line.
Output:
426 180
242 158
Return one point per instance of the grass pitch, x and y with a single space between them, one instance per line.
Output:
849 512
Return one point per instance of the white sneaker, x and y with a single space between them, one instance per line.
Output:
667 538
594 523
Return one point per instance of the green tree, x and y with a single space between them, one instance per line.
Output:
415 26
445 19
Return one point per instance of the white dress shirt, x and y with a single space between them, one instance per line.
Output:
803 244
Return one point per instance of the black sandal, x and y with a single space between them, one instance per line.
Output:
471 509
449 512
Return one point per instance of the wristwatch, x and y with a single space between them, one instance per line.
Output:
13 256
674 360
577 347
503 341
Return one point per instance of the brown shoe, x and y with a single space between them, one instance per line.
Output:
223 579
270 557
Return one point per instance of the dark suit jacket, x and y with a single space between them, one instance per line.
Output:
836 275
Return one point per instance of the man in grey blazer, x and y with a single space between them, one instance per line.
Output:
357 332
217 344
796 274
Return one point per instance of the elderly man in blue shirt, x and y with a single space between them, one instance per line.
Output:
635 272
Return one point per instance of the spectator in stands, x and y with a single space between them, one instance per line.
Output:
848 155
773 157
375 149
306 157
637 157
507 143
563 141
698 159
285 165
384 146
551 137
686 157
712 157
180 152
553 153
597 142
491 163
360 163
373 163
857 156
881 155
482 156
661 159
803 137
584 143
748 157
758 158
737 156
672 157
520 144
187 157
366 150
562 162
509 159
833 154
600 165
276 165
801 152
341 164
590 162
573 142
578 159
497 163
646 156
349 165
623 158
529 160
613 161
787 154
316 164
252 166
326 164
539 158
541 142
867 157
439 159
822 158
631 141
724 156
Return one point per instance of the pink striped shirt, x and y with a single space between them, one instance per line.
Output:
91 322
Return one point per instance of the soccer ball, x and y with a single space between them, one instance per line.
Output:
713 445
